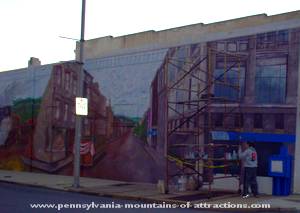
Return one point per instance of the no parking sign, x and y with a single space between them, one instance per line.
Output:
81 106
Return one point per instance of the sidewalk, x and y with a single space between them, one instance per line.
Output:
143 191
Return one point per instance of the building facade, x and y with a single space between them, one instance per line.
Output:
201 82
260 56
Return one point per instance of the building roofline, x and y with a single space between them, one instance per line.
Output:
189 34
262 15
24 69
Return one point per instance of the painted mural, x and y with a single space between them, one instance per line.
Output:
37 118
122 136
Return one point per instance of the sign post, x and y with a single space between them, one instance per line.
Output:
82 106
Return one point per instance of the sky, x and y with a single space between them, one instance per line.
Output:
32 28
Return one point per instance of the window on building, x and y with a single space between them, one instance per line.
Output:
66 111
88 78
74 86
194 48
221 46
190 92
57 109
88 92
243 46
63 78
172 70
279 121
58 76
73 115
270 81
283 36
230 84
265 40
232 47
161 80
270 39
87 127
181 56
218 119
260 40
196 121
180 97
67 81
238 120
258 121
71 83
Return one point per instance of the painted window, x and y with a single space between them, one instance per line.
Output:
270 81
238 120
218 119
73 115
181 57
63 79
230 84
57 110
58 75
279 121
88 92
70 83
172 72
87 127
271 39
66 109
243 46
194 49
258 121
74 86
67 81
221 46
283 36
180 97
232 47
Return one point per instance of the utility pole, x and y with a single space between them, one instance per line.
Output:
79 93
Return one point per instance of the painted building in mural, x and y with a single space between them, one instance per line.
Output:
38 125
264 67
262 53
53 137
130 112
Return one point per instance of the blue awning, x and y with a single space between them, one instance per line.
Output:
252 137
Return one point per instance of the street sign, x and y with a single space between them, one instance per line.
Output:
81 106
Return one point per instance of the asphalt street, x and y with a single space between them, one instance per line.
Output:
17 199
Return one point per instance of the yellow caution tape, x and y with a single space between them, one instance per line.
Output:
180 162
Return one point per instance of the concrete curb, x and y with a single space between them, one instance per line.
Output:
151 200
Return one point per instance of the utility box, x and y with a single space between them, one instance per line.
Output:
280 169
